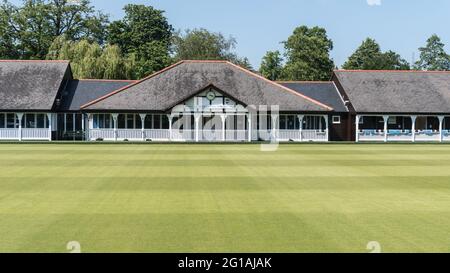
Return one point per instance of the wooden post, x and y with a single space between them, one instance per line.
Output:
224 118
170 117
143 125
386 119
357 127
197 121
249 121
441 123
115 116
413 129
49 117
300 120
19 117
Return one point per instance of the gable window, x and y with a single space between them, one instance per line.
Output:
336 119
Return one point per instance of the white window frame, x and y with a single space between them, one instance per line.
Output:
338 121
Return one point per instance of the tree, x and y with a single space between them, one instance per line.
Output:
201 44
308 55
433 55
145 35
369 56
30 29
91 61
271 65
393 61
8 47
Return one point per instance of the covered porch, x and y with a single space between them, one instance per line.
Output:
409 128
27 126
206 127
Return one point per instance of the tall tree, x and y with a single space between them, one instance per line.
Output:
272 65
368 56
308 55
91 61
433 55
31 28
201 44
145 34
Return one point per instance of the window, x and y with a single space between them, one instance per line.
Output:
165 122
392 120
157 122
148 122
2 120
291 122
361 120
29 121
283 123
41 121
138 122
101 121
337 120
11 121
69 122
121 121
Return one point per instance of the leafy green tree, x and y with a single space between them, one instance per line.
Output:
433 55
391 60
91 61
201 44
369 56
308 55
8 47
30 29
145 35
272 65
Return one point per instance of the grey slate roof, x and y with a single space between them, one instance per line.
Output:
30 85
325 92
397 91
165 89
79 92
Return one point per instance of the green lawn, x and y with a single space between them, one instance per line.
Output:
224 198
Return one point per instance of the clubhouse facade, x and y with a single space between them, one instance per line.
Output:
217 101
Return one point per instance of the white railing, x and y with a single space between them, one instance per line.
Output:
9 133
289 135
399 135
210 135
157 134
183 135
27 134
427 135
105 134
129 134
304 135
371 135
314 135
445 135
402 135
35 134
236 135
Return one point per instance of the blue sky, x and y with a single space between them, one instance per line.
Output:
260 25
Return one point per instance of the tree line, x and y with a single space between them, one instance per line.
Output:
307 57
143 41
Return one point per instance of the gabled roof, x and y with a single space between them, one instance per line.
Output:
325 92
79 92
30 85
160 91
396 91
